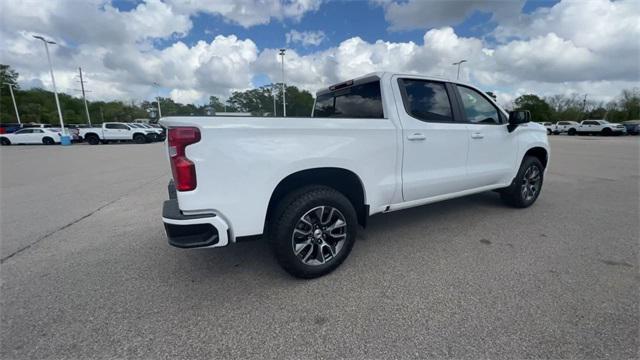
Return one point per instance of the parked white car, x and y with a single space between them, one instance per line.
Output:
549 126
565 127
32 135
160 133
116 131
379 143
600 127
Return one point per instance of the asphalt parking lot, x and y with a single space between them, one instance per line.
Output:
86 271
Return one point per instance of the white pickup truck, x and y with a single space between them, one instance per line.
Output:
599 127
375 144
117 131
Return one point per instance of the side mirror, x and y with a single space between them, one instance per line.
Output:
518 117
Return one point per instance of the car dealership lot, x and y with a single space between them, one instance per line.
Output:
86 270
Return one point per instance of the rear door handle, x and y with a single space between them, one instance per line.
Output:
477 135
416 136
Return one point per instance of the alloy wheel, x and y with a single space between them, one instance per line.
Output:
319 235
531 183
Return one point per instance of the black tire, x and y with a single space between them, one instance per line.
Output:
139 139
287 218
572 131
92 139
606 132
4 141
515 194
548 132
48 141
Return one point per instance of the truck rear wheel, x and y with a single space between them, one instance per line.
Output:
92 139
313 231
526 186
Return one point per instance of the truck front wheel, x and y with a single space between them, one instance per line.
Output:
526 186
139 139
313 231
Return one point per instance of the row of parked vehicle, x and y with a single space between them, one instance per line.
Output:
46 134
593 127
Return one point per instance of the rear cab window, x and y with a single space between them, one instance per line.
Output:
352 99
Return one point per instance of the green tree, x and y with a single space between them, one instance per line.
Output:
8 75
216 104
539 108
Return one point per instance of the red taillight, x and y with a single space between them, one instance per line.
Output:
183 169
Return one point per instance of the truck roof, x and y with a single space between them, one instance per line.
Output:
384 75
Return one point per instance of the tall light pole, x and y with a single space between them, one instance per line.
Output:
459 63
15 106
64 138
158 99
284 87
273 92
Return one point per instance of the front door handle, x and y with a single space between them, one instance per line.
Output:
416 136
477 135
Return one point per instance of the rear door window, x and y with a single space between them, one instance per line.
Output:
357 101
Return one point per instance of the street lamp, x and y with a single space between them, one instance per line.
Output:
459 63
158 99
64 138
284 98
15 106
273 92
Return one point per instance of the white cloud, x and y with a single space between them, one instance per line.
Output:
421 14
249 13
306 38
186 96
546 52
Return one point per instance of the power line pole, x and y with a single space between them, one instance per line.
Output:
284 87
158 100
86 107
15 106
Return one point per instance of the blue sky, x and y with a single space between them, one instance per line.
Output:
339 20
198 48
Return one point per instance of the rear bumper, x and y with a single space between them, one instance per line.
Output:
192 231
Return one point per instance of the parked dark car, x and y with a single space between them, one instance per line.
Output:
632 126
8 128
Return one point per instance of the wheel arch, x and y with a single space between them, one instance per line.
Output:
538 152
345 181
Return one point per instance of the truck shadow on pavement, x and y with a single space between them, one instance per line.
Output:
254 258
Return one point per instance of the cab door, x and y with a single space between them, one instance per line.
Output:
492 148
110 131
435 141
